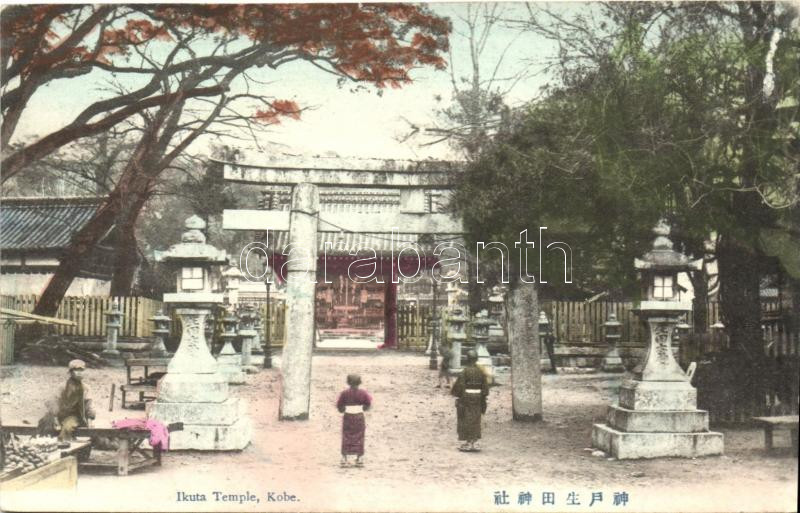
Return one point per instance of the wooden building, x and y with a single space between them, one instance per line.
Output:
34 232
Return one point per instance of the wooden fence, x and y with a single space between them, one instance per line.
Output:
413 330
276 316
580 322
7 333
88 313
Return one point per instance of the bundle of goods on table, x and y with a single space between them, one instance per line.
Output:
23 454
38 463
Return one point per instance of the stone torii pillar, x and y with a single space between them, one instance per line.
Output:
300 288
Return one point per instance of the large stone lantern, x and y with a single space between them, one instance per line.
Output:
657 412
193 391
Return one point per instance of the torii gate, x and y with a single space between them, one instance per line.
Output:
303 222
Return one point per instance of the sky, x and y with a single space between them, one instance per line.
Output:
338 120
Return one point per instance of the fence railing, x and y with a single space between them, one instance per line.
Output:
7 333
88 313
413 329
580 322
276 317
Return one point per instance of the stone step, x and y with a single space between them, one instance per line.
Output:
671 421
622 445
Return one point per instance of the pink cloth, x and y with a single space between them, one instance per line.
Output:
159 434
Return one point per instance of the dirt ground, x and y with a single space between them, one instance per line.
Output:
411 459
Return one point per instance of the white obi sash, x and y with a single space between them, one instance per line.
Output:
354 408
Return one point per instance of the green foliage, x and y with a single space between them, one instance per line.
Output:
669 121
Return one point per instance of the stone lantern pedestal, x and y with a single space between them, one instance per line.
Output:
195 393
657 413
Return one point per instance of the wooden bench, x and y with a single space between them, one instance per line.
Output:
144 385
770 424
130 453
145 363
146 393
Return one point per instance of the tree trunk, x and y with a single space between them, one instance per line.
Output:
128 196
126 260
740 305
699 281
523 341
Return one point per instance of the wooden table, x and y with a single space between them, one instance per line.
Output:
770 424
144 385
128 445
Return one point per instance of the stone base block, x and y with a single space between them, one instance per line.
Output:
612 364
623 445
225 413
623 419
235 376
657 395
230 365
208 437
193 388
113 358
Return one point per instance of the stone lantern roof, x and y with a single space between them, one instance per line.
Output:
663 257
192 247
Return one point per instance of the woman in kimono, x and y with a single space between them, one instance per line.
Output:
471 390
353 402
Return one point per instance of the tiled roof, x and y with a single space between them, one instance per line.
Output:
43 223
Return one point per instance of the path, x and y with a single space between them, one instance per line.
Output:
412 463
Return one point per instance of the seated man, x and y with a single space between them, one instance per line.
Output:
74 407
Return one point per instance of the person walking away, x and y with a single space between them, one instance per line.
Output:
471 390
444 366
353 402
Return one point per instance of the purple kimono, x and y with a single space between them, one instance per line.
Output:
353 425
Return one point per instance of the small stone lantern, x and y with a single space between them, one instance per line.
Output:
480 334
544 324
456 336
248 334
657 413
113 325
230 362
233 278
613 333
546 339
161 324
